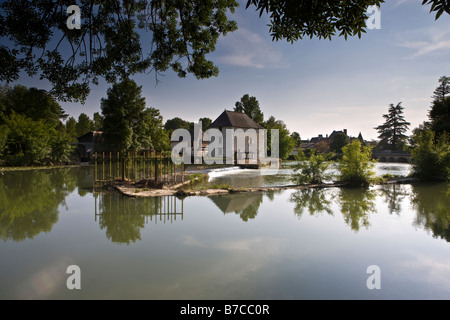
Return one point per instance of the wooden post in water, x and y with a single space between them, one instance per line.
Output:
160 167
182 167
103 166
118 165
169 168
122 160
135 167
95 169
128 166
156 166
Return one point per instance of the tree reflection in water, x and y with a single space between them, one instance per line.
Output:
432 203
314 200
355 204
394 194
29 201
124 217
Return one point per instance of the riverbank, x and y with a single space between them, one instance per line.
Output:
7 169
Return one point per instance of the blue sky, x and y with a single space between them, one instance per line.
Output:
314 86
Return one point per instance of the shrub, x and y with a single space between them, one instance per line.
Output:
312 169
356 165
431 156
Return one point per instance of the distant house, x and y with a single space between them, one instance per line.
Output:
87 144
245 146
237 120
308 144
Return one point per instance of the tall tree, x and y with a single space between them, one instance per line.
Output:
28 140
84 124
340 140
33 103
442 90
205 123
440 116
298 140
392 131
177 123
71 129
286 142
127 124
250 106
97 121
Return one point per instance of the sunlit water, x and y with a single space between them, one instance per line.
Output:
236 177
291 244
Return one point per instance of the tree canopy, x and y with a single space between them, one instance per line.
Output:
120 38
250 106
128 125
392 131
286 142
31 131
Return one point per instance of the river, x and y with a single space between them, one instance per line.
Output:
289 244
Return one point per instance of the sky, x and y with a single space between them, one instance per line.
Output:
314 86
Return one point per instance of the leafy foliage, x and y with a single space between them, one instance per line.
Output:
440 116
286 142
297 138
31 129
312 169
438 6
84 124
296 19
33 103
109 43
119 39
356 165
177 123
250 106
128 125
340 140
431 156
28 140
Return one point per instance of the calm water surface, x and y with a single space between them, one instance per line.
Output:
292 244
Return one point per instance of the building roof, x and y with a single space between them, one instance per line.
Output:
234 119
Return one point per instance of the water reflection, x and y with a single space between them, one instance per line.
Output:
356 205
123 218
29 201
432 203
246 205
394 194
314 200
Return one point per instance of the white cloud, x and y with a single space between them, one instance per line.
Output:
436 42
248 49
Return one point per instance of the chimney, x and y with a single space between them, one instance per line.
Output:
345 131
